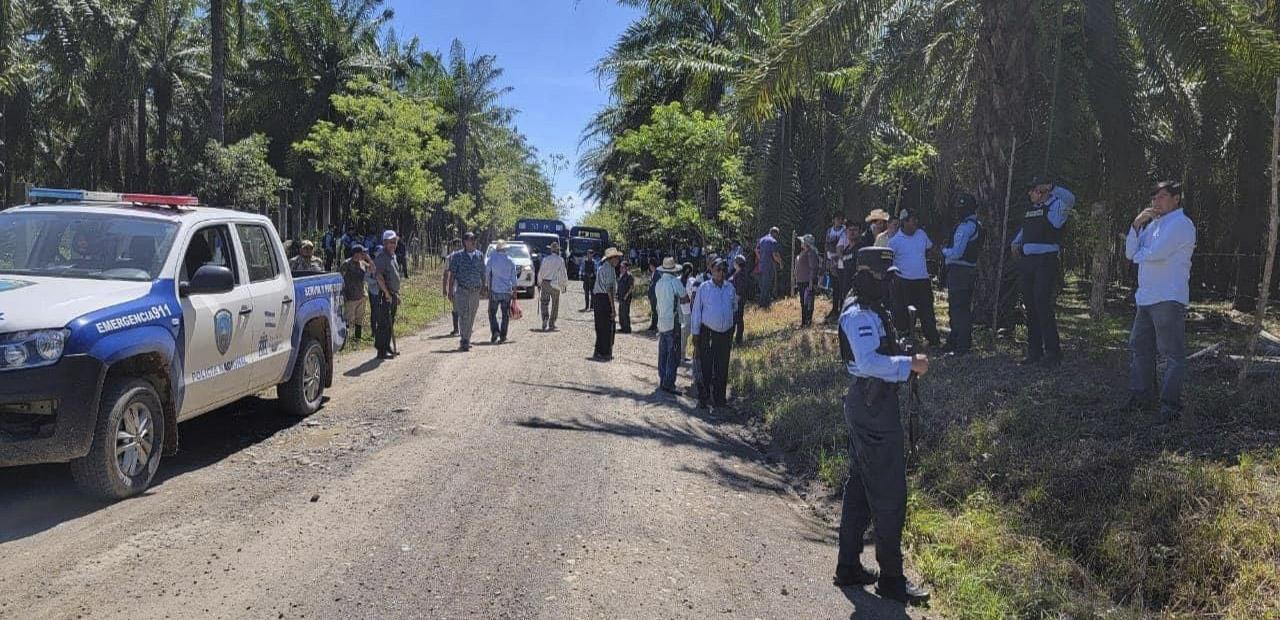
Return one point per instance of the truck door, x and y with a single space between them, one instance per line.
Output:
216 335
273 304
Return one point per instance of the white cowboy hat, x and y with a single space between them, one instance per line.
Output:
502 245
611 252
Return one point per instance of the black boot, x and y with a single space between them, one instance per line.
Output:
853 575
901 590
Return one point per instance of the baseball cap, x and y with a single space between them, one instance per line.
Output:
389 235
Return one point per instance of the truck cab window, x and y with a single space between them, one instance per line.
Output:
210 246
259 255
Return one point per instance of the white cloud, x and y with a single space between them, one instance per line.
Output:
576 207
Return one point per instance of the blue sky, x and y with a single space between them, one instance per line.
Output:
546 48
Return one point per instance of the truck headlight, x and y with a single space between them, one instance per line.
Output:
31 349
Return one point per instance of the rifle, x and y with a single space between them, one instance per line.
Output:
909 346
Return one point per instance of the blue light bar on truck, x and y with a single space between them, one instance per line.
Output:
49 193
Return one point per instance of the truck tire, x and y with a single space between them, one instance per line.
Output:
300 396
127 442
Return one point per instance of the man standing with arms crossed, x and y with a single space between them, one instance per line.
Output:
463 286
553 279
1038 244
1161 242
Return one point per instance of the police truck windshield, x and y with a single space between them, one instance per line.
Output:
80 245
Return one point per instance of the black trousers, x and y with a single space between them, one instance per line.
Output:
918 293
386 311
713 356
839 288
588 284
624 315
806 304
1039 282
653 306
739 324
604 325
960 283
876 490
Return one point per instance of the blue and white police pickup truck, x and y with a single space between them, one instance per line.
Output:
122 315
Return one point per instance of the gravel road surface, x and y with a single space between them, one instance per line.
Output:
514 481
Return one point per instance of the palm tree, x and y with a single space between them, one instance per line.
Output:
171 51
470 97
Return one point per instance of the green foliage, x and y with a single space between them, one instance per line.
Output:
692 192
891 165
385 147
237 175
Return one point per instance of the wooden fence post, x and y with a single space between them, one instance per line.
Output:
1265 289
1102 245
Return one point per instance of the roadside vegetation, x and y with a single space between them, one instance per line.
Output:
1032 497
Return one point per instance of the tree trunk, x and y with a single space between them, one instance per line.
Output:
1004 59
143 181
1264 287
218 70
1102 242
164 104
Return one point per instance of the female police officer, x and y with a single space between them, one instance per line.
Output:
877 486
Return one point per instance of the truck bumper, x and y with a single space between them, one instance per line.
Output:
47 415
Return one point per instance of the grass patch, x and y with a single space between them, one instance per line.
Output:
421 304
1032 496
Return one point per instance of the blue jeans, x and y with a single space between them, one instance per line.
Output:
668 357
1159 328
766 286
499 301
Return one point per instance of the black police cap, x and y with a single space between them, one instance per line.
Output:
877 259
966 201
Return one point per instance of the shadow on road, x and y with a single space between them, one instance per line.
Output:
366 367
39 497
867 606
665 434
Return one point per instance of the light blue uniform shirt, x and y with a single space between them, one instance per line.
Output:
965 231
713 307
1059 206
908 254
864 330
500 273
1163 252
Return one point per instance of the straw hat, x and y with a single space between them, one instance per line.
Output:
502 245
611 252
878 214
669 265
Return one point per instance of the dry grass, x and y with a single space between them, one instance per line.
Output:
1033 497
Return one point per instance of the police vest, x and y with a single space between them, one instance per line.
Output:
974 247
1036 227
888 342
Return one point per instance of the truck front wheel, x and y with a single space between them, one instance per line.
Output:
127 442
301 394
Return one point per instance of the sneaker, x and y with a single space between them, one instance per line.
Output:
493 339
502 339
853 575
902 590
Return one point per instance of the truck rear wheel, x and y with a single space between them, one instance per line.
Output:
301 394
127 442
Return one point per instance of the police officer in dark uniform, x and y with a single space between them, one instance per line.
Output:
876 490
1038 244
961 256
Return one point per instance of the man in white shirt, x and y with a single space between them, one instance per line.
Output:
553 279
712 325
1161 242
912 287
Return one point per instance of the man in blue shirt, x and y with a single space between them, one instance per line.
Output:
464 284
1161 242
712 325
876 489
768 260
910 245
1038 244
500 278
962 267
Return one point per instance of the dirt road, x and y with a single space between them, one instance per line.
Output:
514 481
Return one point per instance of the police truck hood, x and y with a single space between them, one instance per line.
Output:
35 302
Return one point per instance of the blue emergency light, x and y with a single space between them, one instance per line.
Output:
49 193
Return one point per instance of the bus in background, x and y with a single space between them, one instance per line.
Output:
581 239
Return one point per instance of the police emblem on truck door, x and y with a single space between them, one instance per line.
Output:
222 330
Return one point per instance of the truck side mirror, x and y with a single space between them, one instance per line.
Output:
208 279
